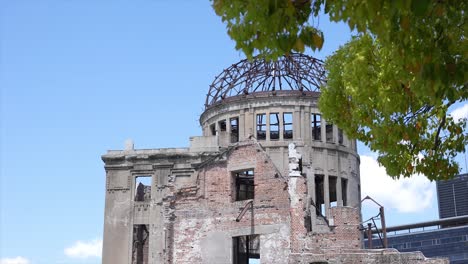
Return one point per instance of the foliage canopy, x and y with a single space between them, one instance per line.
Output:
391 85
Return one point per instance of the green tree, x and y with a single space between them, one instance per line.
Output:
391 85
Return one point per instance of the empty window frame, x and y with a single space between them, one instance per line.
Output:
246 249
274 126
261 126
287 125
222 125
340 136
213 129
234 129
332 181
244 188
316 127
344 191
140 244
329 132
319 196
143 188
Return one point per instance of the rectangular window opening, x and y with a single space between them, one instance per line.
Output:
222 125
261 126
234 129
340 136
287 125
143 188
332 190
213 129
329 132
246 249
244 185
274 126
319 196
344 191
316 128
140 244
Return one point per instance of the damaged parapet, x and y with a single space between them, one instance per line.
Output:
269 180
295 161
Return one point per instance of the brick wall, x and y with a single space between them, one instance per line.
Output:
205 219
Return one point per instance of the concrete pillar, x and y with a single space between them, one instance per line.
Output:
242 133
281 126
326 194
307 126
303 123
297 123
217 132
224 140
335 134
323 127
339 197
310 177
158 244
249 123
228 130
118 225
267 114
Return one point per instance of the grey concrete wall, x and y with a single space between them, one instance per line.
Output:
117 218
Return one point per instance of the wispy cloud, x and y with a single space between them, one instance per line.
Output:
460 112
84 249
406 195
17 260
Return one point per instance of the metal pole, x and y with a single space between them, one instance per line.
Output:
384 228
246 206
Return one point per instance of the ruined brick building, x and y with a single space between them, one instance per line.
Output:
269 181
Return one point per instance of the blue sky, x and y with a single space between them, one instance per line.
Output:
79 77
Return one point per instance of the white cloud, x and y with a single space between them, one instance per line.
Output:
406 195
84 249
17 260
460 112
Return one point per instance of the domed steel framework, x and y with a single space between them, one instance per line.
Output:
293 72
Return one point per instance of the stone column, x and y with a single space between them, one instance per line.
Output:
326 195
323 126
339 196
241 125
297 123
307 126
267 129
281 126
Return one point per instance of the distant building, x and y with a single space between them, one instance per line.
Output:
446 237
453 196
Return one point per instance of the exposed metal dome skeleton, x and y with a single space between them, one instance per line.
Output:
292 72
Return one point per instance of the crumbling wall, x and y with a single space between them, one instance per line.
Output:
344 232
205 221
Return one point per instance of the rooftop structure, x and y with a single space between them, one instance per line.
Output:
296 72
